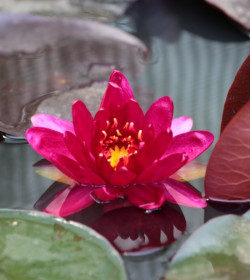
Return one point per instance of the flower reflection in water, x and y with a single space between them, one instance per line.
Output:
131 229
128 228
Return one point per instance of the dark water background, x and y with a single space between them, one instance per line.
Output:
195 53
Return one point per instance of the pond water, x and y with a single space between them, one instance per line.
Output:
193 55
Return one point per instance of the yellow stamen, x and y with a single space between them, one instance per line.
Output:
116 155
126 126
115 124
131 126
104 134
118 132
139 135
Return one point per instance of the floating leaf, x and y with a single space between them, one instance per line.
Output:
228 171
94 9
219 250
34 245
235 10
61 59
239 93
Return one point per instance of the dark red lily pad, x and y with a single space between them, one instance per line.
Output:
239 93
237 10
228 171
43 57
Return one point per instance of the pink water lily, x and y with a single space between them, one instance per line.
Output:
121 152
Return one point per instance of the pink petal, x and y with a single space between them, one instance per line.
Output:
118 91
162 169
54 123
149 196
72 169
100 123
46 141
160 115
103 195
153 150
180 193
181 125
122 177
70 201
134 114
83 121
104 168
78 150
192 143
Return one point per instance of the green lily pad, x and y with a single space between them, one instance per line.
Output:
37 246
219 250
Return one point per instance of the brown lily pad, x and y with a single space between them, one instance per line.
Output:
41 57
237 10
239 93
97 9
228 171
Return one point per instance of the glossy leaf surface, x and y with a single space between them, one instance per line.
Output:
238 95
235 10
219 250
228 171
38 246
58 55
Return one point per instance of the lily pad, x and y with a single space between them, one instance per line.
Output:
48 57
228 171
96 9
219 250
237 10
239 93
34 245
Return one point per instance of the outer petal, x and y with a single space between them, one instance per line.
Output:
134 113
77 149
180 193
99 124
160 115
148 196
104 168
82 120
192 143
75 171
118 91
162 169
181 125
152 150
70 201
54 123
46 141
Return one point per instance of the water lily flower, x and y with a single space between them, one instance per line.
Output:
121 152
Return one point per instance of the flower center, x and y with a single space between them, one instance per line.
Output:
117 154
119 142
